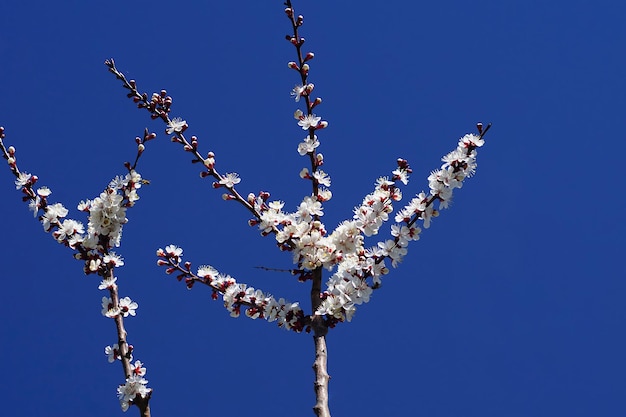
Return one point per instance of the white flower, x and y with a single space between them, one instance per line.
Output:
324 194
176 125
309 207
308 145
471 139
322 177
402 175
309 121
276 205
113 352
428 214
127 306
113 259
297 92
137 369
207 271
53 212
135 385
173 250
107 308
35 205
107 283
67 229
43 191
84 205
404 234
230 179
117 183
22 179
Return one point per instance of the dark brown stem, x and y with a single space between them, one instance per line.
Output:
144 406
304 78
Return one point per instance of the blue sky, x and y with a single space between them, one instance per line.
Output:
511 304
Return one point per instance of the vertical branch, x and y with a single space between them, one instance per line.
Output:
321 377
124 348
320 365
142 403
144 406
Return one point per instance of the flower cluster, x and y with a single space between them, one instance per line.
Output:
458 165
107 214
235 295
348 286
136 385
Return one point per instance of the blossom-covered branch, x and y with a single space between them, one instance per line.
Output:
159 105
236 295
349 285
106 216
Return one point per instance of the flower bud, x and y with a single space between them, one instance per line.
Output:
316 102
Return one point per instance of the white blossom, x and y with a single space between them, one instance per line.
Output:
176 125
135 385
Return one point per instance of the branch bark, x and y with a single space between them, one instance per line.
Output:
321 377
320 365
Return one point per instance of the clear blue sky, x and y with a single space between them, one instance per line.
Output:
512 304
